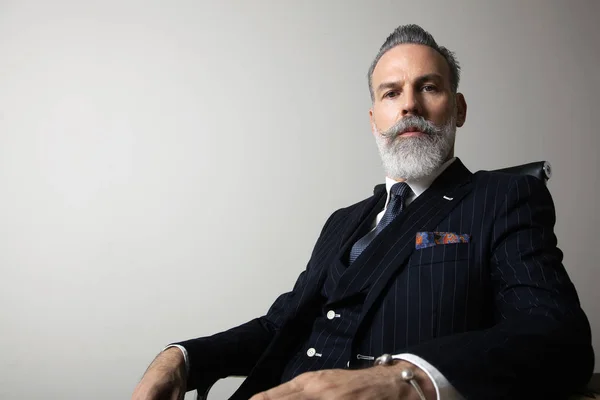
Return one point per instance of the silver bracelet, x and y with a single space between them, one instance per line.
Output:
407 374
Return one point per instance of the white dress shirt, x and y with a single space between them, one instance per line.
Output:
444 389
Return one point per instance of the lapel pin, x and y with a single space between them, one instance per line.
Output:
448 198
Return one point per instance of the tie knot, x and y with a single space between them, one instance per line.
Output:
400 189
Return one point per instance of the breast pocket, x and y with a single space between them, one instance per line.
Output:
440 253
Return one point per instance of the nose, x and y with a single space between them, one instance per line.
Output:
410 104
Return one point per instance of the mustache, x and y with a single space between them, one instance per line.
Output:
411 122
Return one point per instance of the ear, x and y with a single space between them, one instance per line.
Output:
461 110
372 120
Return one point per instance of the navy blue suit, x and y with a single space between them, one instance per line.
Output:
498 316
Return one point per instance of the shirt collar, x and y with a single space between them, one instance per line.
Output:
418 186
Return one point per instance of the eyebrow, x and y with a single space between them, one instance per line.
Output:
419 80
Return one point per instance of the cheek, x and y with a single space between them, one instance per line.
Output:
386 116
440 113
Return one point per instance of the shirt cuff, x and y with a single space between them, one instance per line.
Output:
186 358
443 389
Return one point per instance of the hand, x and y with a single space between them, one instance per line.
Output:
377 383
165 378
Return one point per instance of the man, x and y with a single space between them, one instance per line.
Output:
456 275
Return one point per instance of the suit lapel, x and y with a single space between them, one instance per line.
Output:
357 224
390 250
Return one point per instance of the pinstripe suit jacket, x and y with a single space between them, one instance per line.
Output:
498 316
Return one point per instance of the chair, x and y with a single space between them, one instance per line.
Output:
539 169
542 171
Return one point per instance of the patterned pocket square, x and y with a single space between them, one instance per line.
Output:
430 239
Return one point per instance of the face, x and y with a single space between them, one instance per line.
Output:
415 112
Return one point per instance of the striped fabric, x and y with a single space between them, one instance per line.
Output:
496 315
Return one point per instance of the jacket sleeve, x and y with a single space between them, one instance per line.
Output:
539 345
235 352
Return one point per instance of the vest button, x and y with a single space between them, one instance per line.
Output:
311 352
330 314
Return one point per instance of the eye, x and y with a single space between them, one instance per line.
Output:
391 94
429 88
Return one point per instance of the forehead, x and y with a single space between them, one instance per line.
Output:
407 61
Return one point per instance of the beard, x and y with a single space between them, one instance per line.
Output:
413 158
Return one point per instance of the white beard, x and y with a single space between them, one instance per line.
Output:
413 158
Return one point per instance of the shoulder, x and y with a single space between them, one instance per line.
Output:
507 182
379 191
359 207
512 190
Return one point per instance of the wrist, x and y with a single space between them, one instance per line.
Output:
420 376
170 361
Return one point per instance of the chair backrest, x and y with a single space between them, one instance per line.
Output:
539 169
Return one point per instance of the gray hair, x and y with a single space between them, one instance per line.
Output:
414 34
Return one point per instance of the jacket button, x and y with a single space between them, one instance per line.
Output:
330 314
311 352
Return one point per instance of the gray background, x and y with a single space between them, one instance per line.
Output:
166 166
